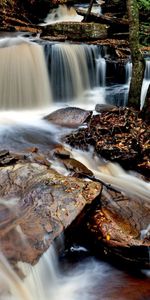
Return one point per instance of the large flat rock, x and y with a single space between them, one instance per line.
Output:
36 205
76 30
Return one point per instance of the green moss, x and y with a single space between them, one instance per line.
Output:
144 4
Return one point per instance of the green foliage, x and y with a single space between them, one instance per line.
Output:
144 4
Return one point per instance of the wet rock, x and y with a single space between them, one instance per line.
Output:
61 152
105 107
120 225
8 158
77 167
36 205
69 116
3 153
118 135
76 30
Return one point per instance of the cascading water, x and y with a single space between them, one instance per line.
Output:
62 14
76 71
96 7
24 84
24 80
146 83
146 80
87 280
128 72
120 97
68 70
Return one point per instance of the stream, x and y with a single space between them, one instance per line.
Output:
36 79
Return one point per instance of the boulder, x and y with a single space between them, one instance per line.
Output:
36 205
76 31
69 116
120 226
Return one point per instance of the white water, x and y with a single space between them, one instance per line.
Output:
146 80
62 14
113 174
96 8
146 83
69 70
77 73
45 281
24 82
128 71
87 280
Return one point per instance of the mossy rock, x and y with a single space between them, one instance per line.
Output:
77 30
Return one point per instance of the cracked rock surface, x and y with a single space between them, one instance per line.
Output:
36 205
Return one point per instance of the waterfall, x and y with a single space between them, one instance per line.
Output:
128 72
62 14
46 280
101 71
74 70
146 82
24 82
69 74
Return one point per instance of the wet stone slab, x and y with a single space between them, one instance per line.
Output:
36 205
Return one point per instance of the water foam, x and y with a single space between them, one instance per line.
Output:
62 14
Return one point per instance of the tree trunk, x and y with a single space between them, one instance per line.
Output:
138 64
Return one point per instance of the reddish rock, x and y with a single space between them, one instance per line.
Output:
120 225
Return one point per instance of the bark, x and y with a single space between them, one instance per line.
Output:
137 58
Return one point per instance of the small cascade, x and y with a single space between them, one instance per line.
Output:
147 70
146 83
62 14
96 8
128 72
101 71
115 175
47 281
74 70
68 71
118 76
24 82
